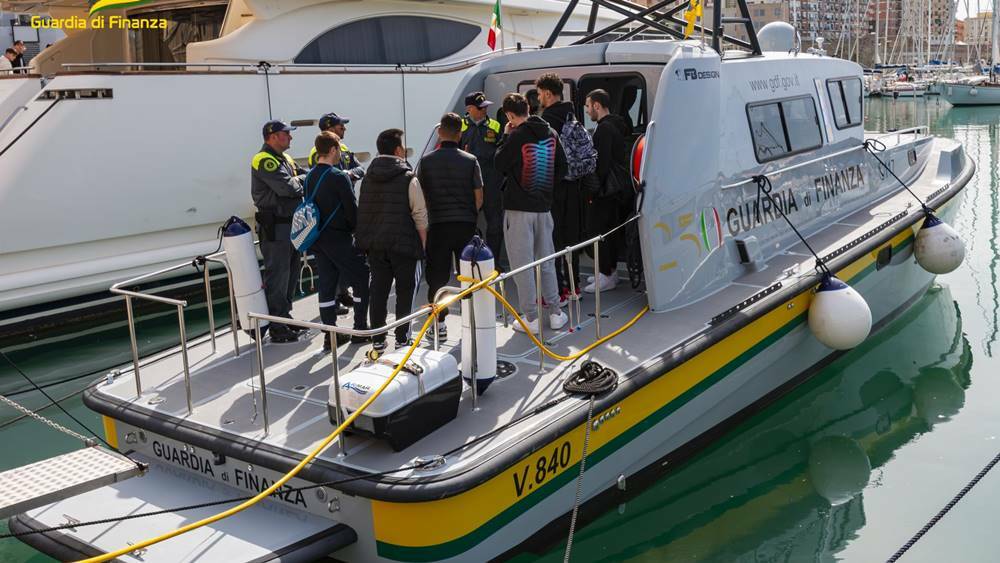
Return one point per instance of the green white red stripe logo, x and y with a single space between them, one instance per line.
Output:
495 27
113 4
711 229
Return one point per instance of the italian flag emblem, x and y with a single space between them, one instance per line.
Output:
495 27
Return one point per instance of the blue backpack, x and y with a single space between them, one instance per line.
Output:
305 220
581 157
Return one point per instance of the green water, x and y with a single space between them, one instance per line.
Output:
847 467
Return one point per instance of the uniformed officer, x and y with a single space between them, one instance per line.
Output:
276 188
348 162
480 134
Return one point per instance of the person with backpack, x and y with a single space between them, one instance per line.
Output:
392 230
531 160
567 201
334 251
607 205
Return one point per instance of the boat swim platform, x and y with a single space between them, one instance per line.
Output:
225 389
63 476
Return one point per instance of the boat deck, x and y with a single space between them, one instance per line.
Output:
299 376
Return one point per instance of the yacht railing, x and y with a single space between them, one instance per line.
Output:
331 331
916 131
276 68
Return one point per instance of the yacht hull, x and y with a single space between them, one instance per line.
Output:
969 95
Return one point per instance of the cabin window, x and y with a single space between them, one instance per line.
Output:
628 98
845 98
389 40
784 127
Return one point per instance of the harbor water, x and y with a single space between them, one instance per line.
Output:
847 467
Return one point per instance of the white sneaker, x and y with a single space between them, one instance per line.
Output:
614 276
558 320
532 326
607 283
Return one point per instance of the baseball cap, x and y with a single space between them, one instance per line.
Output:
276 126
331 119
477 99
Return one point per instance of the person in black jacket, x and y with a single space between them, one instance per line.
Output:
334 250
567 202
605 210
531 159
19 62
392 230
453 189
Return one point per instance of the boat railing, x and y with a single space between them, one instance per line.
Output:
277 68
915 131
330 331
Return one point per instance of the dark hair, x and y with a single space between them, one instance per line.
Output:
600 96
326 142
551 82
516 104
389 140
19 42
451 124
10 51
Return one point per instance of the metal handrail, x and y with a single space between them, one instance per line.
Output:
277 67
915 130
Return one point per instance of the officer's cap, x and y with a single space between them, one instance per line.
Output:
331 119
276 126
477 99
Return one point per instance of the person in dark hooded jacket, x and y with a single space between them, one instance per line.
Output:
531 160
392 230
567 201
606 209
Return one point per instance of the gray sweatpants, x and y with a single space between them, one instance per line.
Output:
529 237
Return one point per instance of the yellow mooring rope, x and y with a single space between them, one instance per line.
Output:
506 304
435 308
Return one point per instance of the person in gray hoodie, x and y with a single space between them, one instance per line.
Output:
531 160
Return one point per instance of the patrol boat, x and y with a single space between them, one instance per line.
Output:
177 117
774 234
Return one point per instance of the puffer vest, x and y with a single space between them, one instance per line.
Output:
446 178
384 220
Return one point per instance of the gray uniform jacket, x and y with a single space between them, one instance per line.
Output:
275 183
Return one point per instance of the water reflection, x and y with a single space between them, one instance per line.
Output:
789 485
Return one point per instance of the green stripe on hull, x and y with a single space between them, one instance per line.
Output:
461 545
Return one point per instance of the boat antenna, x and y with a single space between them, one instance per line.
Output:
764 188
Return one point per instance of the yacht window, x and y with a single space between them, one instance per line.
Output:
784 127
845 97
389 40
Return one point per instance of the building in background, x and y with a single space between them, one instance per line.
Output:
15 27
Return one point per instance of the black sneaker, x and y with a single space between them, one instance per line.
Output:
342 310
341 340
284 336
360 339
379 345
442 332
297 329
404 343
346 299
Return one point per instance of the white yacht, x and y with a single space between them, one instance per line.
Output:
112 168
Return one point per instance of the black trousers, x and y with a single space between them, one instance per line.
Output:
337 259
387 268
493 213
282 265
445 242
602 216
567 228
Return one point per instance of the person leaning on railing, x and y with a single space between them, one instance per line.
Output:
7 61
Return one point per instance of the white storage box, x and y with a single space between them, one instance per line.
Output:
412 406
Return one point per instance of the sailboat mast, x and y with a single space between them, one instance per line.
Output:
994 36
928 59
878 59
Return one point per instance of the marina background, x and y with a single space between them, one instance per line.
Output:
847 467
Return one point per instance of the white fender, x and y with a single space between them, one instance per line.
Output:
938 248
248 287
838 316
485 331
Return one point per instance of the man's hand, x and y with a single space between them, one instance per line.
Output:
508 128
